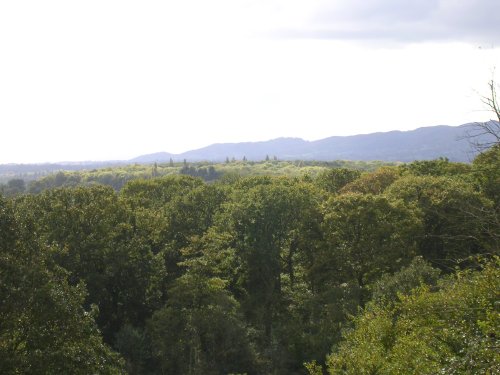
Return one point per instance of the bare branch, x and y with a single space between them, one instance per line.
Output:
484 135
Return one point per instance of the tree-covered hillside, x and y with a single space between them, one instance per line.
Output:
266 268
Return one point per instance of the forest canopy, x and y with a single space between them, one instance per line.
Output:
256 268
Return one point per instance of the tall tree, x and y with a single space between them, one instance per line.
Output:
199 330
96 243
259 244
365 235
43 326
457 219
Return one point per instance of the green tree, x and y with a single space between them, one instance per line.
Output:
451 331
14 187
260 244
199 330
372 182
390 286
457 220
95 241
155 193
334 179
486 169
365 236
43 326
154 170
188 217
437 167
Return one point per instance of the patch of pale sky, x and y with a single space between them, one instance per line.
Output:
105 79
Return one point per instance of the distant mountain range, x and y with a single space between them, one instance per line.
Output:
405 146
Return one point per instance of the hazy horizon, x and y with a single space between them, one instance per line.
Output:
206 145
112 80
177 154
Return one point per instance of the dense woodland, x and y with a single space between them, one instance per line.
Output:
386 270
19 178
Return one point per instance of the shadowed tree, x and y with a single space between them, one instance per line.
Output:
95 241
365 235
457 221
43 327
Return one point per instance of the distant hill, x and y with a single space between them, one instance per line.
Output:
284 148
405 146
151 158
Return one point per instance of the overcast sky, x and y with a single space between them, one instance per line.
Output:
97 80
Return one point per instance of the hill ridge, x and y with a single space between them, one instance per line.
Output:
423 143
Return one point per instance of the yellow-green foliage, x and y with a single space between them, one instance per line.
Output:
450 331
118 176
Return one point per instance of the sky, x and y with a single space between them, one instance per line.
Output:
114 79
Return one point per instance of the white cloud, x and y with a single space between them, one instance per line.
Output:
473 21
115 79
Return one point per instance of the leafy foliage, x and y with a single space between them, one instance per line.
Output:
450 331
270 268
43 325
